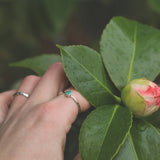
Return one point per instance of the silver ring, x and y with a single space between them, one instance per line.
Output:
68 94
21 93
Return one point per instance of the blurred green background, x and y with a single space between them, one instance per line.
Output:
33 27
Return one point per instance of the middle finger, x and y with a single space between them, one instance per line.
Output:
52 82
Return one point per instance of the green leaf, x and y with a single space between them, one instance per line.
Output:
103 132
84 68
142 143
130 50
154 119
38 64
126 151
155 5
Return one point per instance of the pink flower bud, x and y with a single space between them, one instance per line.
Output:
141 96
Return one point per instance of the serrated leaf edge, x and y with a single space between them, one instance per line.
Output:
70 79
105 87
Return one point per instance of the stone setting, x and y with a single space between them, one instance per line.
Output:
68 93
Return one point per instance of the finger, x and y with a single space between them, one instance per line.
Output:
5 100
53 81
64 110
26 86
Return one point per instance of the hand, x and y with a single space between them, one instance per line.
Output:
35 128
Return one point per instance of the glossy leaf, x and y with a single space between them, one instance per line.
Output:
104 131
84 68
130 50
142 143
126 151
38 64
154 119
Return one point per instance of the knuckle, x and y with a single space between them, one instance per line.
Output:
48 113
42 111
41 116
31 78
38 111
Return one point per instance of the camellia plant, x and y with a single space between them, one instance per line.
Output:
124 122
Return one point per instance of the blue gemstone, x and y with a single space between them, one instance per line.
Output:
68 93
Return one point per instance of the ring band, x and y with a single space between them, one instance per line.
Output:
68 94
21 93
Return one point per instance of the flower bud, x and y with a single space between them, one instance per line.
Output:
141 96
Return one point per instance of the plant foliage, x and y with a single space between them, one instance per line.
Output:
128 50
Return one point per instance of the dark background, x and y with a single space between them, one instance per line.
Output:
33 27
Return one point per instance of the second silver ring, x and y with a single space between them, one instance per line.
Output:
68 93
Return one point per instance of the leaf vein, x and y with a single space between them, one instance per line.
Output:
114 111
154 128
133 147
133 54
91 75
125 137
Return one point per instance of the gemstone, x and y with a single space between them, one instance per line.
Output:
68 93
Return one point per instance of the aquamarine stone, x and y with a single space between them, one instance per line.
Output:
68 93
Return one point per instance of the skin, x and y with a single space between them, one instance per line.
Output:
35 128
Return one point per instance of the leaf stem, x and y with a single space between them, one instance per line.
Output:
118 99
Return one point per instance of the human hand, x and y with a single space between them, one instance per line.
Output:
35 128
